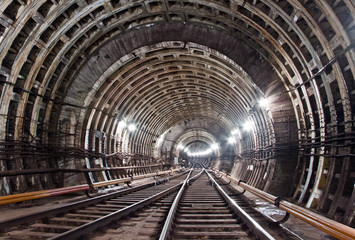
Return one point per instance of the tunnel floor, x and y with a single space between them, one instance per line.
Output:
293 226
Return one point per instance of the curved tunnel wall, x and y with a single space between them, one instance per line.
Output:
56 110
193 75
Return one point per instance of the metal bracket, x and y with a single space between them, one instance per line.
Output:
131 176
241 181
87 193
218 177
277 204
285 218
91 186
238 194
277 201
91 189
225 184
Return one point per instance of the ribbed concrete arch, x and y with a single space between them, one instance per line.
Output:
197 72
192 135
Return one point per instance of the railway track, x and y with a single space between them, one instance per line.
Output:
268 224
191 206
204 211
74 220
205 214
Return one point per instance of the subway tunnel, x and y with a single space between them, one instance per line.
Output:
262 90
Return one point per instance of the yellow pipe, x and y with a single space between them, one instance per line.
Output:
327 225
58 191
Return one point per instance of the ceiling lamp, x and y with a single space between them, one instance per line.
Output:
132 127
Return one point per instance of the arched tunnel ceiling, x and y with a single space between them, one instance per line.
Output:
58 38
72 70
160 85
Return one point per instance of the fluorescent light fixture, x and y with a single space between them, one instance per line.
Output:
214 146
132 127
122 124
264 102
235 131
248 126
202 153
231 140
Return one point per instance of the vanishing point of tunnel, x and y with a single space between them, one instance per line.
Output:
262 90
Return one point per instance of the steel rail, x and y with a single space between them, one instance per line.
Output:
72 206
64 190
171 215
257 230
103 221
325 224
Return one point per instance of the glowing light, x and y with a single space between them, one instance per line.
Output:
231 140
264 102
202 153
132 127
214 146
122 124
180 146
248 126
160 139
235 132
